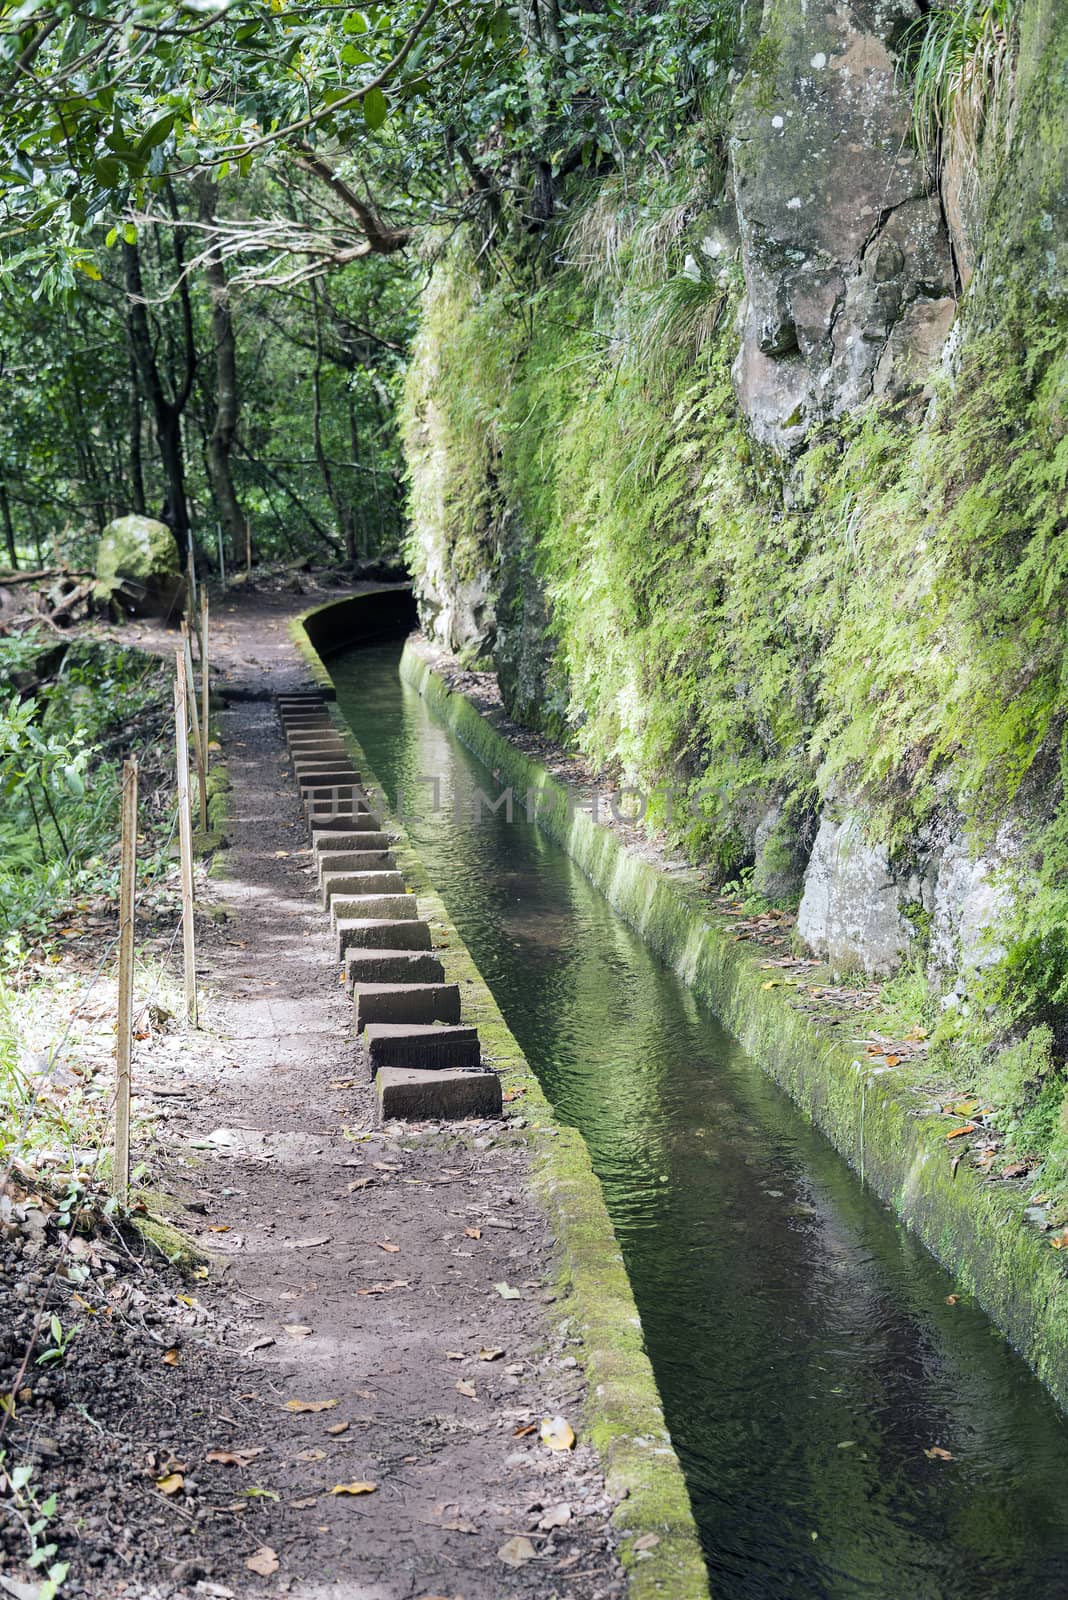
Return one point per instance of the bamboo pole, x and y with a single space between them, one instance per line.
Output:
120 1178
199 735
185 840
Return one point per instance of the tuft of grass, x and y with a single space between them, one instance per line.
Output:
958 57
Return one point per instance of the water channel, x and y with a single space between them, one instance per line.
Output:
803 1343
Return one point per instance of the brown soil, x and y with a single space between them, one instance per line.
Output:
350 1267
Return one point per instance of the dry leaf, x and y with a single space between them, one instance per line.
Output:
463 1387
354 1488
517 1552
258 1344
343 1083
296 1330
234 1458
263 1561
951 1299
455 1355
955 1133
521 1433
390 1249
172 1356
556 1517
309 1405
486 1354
337 1427
473 1233
310 1244
170 1483
506 1291
359 1183
648 1541
314 1454
386 1288
302 1505
557 1433
219 1227
936 1453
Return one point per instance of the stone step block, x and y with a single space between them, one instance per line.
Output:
376 933
355 861
392 966
325 841
437 1096
336 884
425 1047
335 777
404 1002
389 907
341 819
312 718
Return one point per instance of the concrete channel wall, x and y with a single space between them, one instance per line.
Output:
623 1418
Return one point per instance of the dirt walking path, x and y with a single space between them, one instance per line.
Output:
357 1336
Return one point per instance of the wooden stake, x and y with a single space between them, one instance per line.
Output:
191 608
205 686
198 736
185 840
120 1178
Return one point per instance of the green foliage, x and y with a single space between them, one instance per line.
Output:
955 57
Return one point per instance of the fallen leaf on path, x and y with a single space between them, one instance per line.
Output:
296 1330
311 1243
359 1183
1060 1240
517 1552
359 1487
486 1354
521 1433
343 1083
455 1355
309 1405
506 1291
219 1227
936 1453
263 1561
172 1356
234 1458
280 855
964 1108
556 1517
557 1433
338 1427
258 1344
473 1233
388 1246
951 1299
170 1483
648 1541
386 1288
1018 1169
310 1455
955 1133
302 1505
463 1387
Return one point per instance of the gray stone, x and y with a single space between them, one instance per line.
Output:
968 903
405 1002
360 883
848 269
392 966
342 818
780 858
355 861
374 933
330 778
437 1096
385 907
326 840
850 910
424 1047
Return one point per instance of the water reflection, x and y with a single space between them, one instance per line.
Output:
802 1342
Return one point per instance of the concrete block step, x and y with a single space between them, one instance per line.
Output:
404 1002
331 778
341 818
391 967
326 840
376 933
426 1047
321 760
389 907
318 717
437 1096
355 861
335 884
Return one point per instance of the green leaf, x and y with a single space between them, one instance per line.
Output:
355 22
375 108
353 56
129 233
110 237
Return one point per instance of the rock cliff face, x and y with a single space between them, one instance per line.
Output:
846 288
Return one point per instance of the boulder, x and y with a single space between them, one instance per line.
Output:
138 568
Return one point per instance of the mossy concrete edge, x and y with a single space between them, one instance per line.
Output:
623 1417
896 1146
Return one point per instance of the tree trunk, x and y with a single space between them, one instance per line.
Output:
137 466
227 395
167 413
9 527
342 507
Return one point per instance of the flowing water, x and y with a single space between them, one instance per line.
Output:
805 1349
